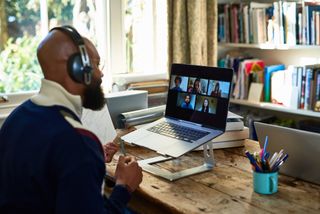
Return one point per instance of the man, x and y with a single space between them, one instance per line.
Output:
186 104
177 82
49 163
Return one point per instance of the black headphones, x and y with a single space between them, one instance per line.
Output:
78 66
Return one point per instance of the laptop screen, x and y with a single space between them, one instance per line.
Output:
199 94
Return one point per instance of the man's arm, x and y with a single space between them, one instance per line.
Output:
79 171
79 191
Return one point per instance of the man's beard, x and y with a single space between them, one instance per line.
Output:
93 97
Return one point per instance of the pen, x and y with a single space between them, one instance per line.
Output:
276 158
265 148
284 158
253 161
280 161
123 151
120 142
273 158
276 167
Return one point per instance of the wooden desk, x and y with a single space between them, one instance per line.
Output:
225 189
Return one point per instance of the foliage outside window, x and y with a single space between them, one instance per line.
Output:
19 68
21 27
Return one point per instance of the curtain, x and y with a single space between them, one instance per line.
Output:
192 32
3 25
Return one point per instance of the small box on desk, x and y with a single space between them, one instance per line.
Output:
125 101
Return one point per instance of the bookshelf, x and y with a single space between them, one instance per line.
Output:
275 107
272 52
267 46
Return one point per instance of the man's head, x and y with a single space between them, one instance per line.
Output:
217 86
55 51
177 81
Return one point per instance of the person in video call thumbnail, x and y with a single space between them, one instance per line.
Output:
186 104
216 91
205 106
177 82
196 87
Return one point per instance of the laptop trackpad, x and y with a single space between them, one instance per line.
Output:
151 140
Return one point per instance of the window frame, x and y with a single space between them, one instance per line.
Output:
116 44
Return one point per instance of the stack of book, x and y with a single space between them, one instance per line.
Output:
234 136
297 87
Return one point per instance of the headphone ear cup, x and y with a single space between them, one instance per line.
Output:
75 68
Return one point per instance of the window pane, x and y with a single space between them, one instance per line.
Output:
146 36
19 69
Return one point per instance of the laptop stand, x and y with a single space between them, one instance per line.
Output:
206 166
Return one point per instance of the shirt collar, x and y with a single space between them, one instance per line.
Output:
52 93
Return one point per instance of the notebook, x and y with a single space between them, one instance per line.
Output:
196 111
302 147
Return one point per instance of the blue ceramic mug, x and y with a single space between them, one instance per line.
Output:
265 183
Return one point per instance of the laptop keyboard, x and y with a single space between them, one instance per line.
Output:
178 132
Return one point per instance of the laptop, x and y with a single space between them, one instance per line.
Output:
303 148
196 111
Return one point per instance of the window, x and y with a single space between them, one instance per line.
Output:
146 36
131 36
138 41
23 24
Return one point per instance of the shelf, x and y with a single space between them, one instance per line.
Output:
267 46
275 107
260 1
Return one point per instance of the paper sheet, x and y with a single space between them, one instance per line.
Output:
255 92
100 123
233 115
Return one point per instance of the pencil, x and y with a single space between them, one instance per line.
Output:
120 142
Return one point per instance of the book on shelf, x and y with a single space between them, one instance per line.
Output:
289 12
316 24
278 23
310 11
316 104
296 87
310 86
250 70
268 70
284 90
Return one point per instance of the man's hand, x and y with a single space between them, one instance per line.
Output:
128 173
109 150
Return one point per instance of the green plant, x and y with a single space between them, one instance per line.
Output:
19 68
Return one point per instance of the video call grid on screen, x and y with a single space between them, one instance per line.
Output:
199 94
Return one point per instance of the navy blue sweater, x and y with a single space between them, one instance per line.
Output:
48 166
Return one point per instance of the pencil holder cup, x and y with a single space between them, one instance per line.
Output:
265 183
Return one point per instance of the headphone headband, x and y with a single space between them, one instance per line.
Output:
72 32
